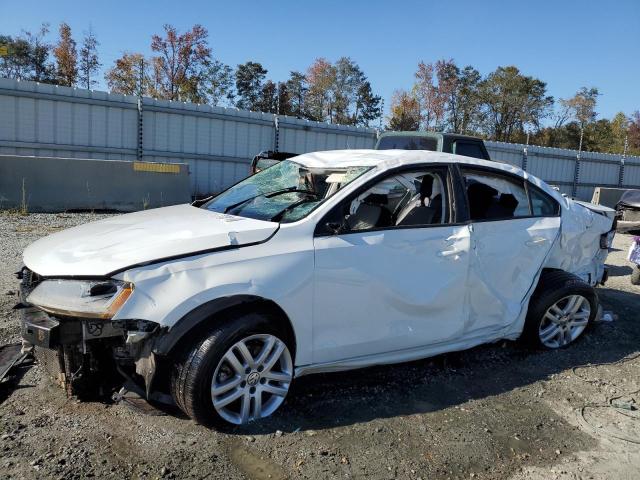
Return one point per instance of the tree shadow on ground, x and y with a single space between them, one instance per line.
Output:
329 400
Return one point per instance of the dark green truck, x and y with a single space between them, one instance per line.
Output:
434 141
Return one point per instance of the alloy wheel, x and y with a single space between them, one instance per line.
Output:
252 379
564 321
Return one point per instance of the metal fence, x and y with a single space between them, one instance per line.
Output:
218 143
562 168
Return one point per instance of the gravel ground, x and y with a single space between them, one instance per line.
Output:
496 411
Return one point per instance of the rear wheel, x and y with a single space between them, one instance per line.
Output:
560 310
240 372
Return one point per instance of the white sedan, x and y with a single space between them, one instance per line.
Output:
326 261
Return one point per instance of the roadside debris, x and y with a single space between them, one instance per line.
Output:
11 356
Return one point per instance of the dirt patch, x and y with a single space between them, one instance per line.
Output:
496 411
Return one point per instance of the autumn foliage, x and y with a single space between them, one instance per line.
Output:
505 104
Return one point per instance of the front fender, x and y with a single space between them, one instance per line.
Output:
283 273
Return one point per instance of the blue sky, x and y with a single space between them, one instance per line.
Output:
568 44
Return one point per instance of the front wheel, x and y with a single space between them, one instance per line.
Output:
239 373
560 310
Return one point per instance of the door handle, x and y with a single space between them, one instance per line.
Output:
535 241
449 253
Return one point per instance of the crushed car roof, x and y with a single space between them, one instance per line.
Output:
385 159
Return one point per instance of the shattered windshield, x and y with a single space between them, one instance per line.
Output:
285 192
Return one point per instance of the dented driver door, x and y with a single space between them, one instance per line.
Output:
384 291
382 288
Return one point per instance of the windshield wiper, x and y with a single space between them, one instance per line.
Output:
270 195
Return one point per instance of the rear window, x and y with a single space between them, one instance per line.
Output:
469 149
495 197
410 142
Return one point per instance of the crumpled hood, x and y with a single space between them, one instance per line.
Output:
103 247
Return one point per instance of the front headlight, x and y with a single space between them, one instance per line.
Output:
81 298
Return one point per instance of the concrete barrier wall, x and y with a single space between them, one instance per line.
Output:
48 184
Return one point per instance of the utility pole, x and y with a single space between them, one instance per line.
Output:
525 154
140 151
141 77
624 156
576 172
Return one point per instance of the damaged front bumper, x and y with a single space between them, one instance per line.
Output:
89 357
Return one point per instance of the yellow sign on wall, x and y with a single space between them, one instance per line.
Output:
156 167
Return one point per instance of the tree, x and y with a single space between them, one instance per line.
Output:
619 132
583 108
66 57
284 100
634 132
249 79
426 92
297 88
15 60
27 57
583 105
562 113
405 111
268 101
368 105
321 77
512 102
124 76
448 96
43 70
462 103
179 69
218 81
89 64
348 80
335 93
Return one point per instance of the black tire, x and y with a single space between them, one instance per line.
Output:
635 275
194 365
552 287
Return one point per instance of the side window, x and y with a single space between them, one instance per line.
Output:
542 205
405 199
494 196
468 149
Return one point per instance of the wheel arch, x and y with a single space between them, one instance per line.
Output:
204 316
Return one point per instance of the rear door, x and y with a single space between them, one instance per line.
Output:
514 228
